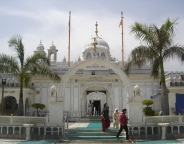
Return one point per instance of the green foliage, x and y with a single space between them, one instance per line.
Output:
147 102
38 106
156 113
148 111
25 68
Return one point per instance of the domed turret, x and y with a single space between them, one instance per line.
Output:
137 88
100 43
52 46
40 47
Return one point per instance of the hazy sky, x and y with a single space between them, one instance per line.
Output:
47 20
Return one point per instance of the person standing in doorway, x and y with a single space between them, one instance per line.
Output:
116 119
90 108
123 124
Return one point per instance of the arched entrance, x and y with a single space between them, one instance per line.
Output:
99 93
84 64
10 105
98 99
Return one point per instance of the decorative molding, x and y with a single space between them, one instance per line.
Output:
84 86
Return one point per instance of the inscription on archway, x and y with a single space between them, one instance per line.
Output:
108 86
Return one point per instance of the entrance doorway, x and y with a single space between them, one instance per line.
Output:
97 108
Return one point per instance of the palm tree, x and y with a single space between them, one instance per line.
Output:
24 69
156 48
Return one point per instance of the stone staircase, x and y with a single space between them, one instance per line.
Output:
88 119
92 135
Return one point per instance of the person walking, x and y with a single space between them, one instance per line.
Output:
105 119
116 119
123 124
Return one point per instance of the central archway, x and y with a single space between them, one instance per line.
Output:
83 64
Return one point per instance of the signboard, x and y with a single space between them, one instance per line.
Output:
173 109
3 81
154 96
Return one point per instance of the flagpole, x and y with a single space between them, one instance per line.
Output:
69 40
122 41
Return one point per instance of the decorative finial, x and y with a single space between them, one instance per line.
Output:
40 41
94 43
96 29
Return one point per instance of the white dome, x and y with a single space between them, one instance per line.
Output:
100 43
40 47
136 88
52 46
53 88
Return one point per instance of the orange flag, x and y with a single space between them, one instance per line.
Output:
120 23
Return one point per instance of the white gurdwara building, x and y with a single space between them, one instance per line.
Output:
95 76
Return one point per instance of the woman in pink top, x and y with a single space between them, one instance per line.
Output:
123 124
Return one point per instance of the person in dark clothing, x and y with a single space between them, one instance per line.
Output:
123 124
92 108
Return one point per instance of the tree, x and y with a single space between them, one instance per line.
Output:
157 47
24 69
148 110
38 106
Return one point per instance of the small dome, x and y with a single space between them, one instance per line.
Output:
40 47
100 43
179 78
136 88
53 88
8 80
52 46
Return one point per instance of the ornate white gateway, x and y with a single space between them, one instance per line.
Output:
97 96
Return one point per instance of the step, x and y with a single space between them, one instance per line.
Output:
94 137
96 141
91 133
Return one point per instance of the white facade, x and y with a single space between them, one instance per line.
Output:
98 77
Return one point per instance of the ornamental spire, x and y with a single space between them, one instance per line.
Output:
96 29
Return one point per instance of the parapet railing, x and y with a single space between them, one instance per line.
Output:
19 120
154 120
163 119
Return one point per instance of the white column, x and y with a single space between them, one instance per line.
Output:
20 130
178 129
163 133
7 129
38 130
28 137
1 129
51 130
139 130
152 130
171 129
13 130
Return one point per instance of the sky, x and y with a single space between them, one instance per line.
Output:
47 20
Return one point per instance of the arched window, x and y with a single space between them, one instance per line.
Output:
103 57
88 56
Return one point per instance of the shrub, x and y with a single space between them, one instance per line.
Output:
38 106
148 111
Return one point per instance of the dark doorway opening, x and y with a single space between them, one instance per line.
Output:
97 108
